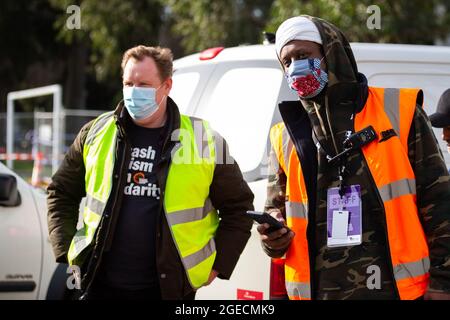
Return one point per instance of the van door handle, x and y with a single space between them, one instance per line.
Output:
17 286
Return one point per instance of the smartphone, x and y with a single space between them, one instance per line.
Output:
264 217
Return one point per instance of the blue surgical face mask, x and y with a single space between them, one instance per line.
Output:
306 77
140 101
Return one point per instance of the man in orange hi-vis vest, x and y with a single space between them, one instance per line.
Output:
358 178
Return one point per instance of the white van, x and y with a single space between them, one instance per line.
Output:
28 269
238 89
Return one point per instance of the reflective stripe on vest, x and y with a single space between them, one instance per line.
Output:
190 214
296 210
389 165
411 269
298 290
398 188
283 145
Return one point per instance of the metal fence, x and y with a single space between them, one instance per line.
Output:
33 142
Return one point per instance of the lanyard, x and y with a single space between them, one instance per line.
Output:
353 141
341 169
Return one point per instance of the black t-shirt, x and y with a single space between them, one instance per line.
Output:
130 264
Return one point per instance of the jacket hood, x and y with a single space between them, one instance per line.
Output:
330 112
339 57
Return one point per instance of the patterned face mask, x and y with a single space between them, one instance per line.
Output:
306 77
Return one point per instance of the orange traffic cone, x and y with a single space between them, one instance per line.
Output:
36 177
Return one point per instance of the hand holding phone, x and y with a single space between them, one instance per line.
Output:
264 217
278 236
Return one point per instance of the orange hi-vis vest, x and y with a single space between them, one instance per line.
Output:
394 177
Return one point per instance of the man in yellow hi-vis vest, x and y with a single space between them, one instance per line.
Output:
358 177
165 203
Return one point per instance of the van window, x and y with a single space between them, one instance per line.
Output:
241 109
183 89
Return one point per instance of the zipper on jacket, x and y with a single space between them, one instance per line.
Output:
159 175
118 199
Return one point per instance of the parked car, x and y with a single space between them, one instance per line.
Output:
238 89
27 266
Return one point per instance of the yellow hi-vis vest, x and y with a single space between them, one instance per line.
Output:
191 217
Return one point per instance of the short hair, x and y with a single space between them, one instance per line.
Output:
163 58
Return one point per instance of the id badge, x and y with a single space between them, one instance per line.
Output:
344 221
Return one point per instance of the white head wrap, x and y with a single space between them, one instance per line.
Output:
296 28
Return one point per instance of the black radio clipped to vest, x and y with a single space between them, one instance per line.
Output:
360 138
356 141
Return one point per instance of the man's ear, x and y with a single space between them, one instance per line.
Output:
168 84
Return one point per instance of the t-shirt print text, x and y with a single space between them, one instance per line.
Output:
139 171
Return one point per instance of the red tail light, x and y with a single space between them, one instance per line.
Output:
211 53
277 286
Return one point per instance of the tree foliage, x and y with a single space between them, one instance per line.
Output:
110 27
402 21
203 23
28 49
39 49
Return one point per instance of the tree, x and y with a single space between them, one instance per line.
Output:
402 21
108 29
40 50
29 55
203 24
